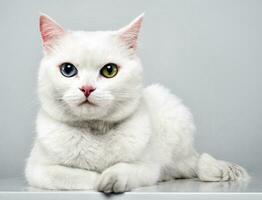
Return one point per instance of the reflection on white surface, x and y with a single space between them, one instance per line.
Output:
179 185
189 185
185 185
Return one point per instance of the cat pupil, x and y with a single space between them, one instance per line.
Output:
68 69
109 69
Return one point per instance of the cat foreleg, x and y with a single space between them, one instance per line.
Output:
126 176
60 177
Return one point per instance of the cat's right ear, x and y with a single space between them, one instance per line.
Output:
50 31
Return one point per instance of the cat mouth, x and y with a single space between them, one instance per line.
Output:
87 102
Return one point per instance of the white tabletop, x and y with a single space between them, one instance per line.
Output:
17 188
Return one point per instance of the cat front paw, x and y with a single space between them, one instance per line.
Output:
210 169
116 179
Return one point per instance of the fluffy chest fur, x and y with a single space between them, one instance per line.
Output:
92 145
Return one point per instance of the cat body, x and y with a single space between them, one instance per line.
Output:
100 128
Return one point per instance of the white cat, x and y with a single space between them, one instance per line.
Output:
100 128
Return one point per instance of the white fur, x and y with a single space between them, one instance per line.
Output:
135 136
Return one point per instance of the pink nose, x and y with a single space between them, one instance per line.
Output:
87 90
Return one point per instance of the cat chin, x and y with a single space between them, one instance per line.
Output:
82 113
88 111
87 103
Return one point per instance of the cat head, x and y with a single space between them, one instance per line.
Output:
89 75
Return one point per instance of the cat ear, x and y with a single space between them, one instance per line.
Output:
129 34
50 31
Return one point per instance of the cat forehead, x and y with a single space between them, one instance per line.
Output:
89 47
90 39
81 42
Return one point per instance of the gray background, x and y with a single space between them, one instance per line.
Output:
207 52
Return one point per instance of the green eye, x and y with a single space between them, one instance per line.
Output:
109 70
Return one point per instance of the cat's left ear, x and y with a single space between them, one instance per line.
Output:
129 34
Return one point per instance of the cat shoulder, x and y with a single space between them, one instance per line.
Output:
157 93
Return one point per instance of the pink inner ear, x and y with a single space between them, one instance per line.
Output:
50 30
129 34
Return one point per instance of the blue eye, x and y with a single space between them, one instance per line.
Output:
68 70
